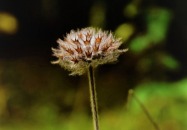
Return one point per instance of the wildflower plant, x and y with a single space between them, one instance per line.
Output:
83 50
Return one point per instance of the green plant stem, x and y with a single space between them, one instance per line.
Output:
93 98
131 92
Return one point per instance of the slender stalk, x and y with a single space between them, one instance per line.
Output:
131 92
93 98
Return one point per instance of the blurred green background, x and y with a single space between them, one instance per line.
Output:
35 95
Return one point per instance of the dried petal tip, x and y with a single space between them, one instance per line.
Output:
88 46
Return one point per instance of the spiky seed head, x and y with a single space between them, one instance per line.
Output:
85 47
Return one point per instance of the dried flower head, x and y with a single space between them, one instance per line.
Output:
88 46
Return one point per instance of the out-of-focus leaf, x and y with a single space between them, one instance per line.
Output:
157 24
139 44
130 10
97 15
124 31
8 23
169 61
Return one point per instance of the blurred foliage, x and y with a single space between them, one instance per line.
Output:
35 95
165 101
157 26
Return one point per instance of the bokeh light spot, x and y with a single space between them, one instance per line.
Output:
8 23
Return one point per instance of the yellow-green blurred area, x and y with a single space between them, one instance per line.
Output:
36 95
8 23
